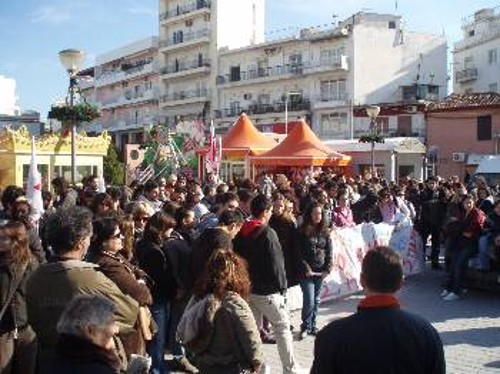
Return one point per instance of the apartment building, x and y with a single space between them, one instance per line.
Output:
8 98
191 32
124 84
322 75
476 58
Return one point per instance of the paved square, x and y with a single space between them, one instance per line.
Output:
469 328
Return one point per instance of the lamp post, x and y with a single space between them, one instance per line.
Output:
72 60
288 94
373 112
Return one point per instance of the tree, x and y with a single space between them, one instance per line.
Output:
114 171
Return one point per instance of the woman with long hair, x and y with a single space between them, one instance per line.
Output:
226 338
282 222
464 246
153 260
316 253
105 247
18 344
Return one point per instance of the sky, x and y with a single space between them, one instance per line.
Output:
32 32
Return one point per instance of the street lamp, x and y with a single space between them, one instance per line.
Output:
288 94
72 60
373 111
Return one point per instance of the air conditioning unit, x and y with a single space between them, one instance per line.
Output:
412 109
189 23
458 157
247 96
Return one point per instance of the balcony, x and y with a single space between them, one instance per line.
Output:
130 97
180 12
328 101
184 97
415 92
259 109
127 72
466 75
269 74
327 65
183 69
186 40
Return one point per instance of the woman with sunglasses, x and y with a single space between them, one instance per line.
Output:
140 214
105 247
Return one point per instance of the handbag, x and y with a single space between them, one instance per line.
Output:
147 324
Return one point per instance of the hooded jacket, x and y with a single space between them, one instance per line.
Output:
259 245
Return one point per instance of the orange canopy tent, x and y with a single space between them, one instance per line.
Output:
301 148
243 138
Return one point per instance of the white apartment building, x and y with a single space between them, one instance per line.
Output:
191 32
8 99
323 75
125 87
476 58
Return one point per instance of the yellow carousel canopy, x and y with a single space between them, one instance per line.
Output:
19 141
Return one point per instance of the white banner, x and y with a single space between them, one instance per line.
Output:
350 246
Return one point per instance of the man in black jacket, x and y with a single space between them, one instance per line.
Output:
432 201
380 337
259 245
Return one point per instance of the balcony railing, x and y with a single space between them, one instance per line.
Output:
185 38
278 107
185 9
184 95
274 71
466 75
130 97
125 72
184 66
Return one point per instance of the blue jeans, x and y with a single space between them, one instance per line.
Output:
311 291
483 257
459 264
156 347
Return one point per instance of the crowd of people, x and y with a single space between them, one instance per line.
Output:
109 282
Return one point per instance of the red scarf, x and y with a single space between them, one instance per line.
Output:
379 301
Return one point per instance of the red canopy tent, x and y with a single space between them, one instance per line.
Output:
301 148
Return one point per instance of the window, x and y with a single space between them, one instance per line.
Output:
392 24
334 124
331 55
484 128
178 37
492 56
235 74
493 87
383 125
333 90
234 108
468 62
471 33
404 126
295 63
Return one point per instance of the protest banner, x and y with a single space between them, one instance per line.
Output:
350 246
